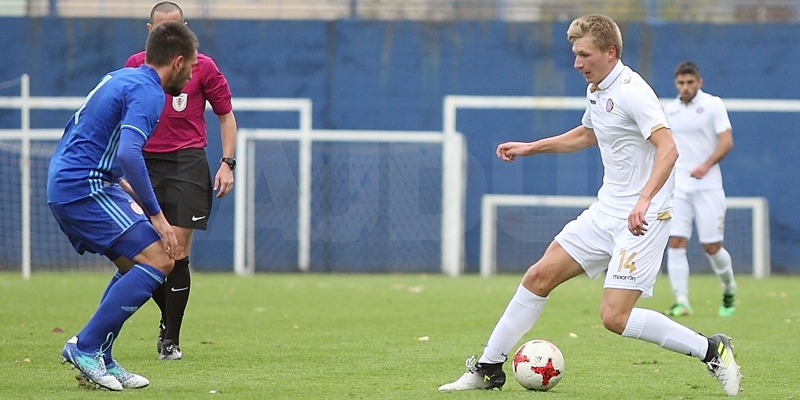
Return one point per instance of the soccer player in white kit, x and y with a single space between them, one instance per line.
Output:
623 234
702 132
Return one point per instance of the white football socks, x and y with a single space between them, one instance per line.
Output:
678 271
657 328
723 267
521 314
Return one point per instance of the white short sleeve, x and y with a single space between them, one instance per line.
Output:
646 110
720 115
586 120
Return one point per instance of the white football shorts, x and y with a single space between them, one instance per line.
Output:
706 208
601 242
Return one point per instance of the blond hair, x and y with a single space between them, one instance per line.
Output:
603 30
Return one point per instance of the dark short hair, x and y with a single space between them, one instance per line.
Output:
165 7
687 67
168 40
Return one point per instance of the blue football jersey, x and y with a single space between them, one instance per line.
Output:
86 157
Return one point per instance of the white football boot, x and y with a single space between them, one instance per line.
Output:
478 376
723 366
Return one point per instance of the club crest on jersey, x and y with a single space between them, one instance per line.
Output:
179 102
136 209
700 110
609 105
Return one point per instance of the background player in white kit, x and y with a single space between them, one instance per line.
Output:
702 132
623 234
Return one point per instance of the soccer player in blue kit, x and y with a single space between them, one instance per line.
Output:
103 213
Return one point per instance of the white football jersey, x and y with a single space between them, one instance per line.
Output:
695 127
623 113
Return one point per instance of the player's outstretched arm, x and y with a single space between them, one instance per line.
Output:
223 181
665 157
573 140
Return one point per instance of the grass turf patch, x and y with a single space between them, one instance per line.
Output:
298 336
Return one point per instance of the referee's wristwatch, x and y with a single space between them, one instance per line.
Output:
230 161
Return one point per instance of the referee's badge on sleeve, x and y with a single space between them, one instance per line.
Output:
179 102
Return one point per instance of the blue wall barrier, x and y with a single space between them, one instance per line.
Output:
394 75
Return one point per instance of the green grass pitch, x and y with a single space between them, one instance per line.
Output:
295 336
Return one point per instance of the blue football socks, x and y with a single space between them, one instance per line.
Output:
111 283
121 300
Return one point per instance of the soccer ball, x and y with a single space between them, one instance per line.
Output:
538 365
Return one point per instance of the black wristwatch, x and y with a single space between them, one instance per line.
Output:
230 161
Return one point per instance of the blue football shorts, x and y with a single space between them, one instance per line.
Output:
108 222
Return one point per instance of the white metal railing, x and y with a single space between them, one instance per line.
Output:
243 197
453 188
759 226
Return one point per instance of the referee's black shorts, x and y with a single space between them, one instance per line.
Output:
182 183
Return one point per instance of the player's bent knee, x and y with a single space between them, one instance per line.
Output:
554 268
712 248
614 316
678 242
614 321
155 256
165 265
538 281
